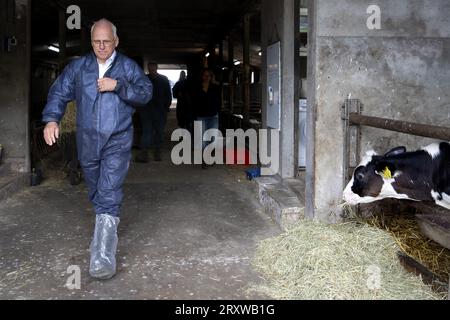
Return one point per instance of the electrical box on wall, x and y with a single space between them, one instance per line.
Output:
304 20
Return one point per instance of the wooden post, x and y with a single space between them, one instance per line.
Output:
28 155
220 64
62 35
85 39
231 71
290 93
246 77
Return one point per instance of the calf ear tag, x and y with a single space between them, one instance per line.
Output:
387 174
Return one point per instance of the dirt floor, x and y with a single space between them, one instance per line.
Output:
185 233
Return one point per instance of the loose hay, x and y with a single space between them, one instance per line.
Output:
407 234
317 261
69 122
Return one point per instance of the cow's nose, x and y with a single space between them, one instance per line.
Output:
349 198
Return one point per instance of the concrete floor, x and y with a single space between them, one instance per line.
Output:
185 234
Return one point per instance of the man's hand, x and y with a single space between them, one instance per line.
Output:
106 85
51 133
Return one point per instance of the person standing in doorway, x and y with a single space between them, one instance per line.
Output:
107 86
180 93
208 104
154 117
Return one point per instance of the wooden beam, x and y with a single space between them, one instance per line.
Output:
62 38
231 71
246 77
418 269
221 63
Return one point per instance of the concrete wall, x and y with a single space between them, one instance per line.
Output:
280 22
399 72
14 87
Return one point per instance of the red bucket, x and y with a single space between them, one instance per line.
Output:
237 156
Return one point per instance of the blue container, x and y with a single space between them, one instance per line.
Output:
253 173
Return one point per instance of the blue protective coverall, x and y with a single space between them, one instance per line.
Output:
104 123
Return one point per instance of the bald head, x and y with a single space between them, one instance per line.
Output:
104 24
104 39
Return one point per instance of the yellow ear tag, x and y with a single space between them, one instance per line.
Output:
387 174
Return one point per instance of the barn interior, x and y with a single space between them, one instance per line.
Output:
322 61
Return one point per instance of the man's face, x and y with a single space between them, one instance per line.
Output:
152 70
103 41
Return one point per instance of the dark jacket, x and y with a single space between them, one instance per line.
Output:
207 104
162 94
179 89
181 93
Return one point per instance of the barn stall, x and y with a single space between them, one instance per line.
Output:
395 70
406 242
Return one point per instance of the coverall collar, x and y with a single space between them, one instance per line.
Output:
110 60
92 64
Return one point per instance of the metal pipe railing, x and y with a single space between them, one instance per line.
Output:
417 129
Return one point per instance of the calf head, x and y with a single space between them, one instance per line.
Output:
373 178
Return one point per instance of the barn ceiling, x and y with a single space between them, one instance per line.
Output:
170 31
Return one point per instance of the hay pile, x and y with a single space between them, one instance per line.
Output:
69 121
55 165
318 261
68 128
406 232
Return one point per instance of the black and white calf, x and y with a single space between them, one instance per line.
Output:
423 175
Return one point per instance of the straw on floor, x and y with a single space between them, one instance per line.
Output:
353 261
406 232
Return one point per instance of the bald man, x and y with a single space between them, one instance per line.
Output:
107 87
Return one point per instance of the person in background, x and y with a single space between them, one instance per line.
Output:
207 104
106 86
180 92
154 117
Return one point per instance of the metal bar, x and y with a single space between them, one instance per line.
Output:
358 136
352 146
417 129
346 156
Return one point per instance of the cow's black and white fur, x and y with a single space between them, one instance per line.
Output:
423 175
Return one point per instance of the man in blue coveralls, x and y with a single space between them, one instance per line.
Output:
107 86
